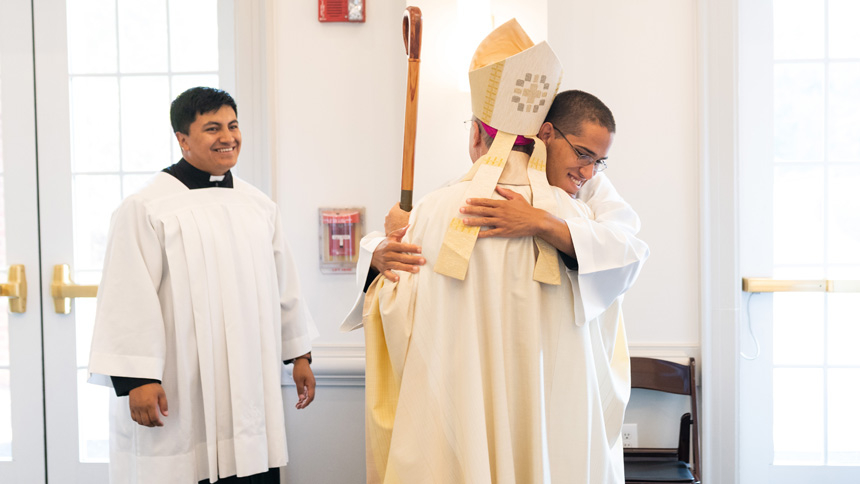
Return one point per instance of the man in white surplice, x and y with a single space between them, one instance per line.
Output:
199 305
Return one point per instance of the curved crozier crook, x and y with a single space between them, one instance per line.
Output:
412 32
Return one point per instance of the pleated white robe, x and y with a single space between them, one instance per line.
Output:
200 291
587 364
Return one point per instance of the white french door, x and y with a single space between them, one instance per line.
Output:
22 443
799 134
85 88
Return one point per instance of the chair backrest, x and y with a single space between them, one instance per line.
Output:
670 377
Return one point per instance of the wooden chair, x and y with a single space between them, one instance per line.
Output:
648 466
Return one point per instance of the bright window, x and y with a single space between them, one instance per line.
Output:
816 366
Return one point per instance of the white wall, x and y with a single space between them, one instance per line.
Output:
339 112
639 57
339 125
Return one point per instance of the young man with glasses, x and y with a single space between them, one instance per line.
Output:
578 132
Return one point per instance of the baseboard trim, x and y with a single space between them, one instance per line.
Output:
334 365
343 364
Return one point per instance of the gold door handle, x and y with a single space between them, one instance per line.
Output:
16 289
766 284
63 289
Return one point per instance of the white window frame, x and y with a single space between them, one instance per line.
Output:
720 276
253 88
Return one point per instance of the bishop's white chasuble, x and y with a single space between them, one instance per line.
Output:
199 291
469 381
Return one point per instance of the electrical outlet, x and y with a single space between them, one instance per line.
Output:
629 435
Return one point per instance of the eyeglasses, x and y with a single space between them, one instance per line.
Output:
584 158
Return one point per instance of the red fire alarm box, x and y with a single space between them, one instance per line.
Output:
340 233
342 10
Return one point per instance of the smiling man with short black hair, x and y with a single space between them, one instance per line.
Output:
199 304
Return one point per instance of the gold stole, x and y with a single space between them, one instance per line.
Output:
459 241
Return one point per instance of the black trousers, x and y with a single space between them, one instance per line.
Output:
273 476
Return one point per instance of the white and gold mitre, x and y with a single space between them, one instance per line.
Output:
513 84
513 81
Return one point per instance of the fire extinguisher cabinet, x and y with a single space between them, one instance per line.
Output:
341 230
342 10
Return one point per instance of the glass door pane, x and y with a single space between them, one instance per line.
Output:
816 166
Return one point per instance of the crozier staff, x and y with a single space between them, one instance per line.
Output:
412 40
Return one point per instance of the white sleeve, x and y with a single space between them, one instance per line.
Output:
297 325
129 335
368 244
397 299
608 252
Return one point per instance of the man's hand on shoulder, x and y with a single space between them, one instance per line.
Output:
306 383
513 217
393 255
145 402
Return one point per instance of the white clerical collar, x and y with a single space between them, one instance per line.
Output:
213 178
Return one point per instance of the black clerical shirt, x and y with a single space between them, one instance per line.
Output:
194 178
